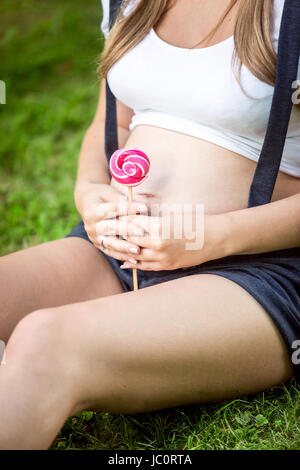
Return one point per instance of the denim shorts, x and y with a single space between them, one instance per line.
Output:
272 278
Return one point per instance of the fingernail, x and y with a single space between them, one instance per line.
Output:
133 249
124 266
142 208
132 260
138 231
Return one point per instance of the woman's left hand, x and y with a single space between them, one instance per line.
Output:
163 249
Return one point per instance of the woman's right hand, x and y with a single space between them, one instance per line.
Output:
100 205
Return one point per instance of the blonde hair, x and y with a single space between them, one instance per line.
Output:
252 35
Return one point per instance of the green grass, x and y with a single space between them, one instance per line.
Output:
262 422
48 52
47 59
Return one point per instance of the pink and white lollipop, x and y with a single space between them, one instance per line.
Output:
129 167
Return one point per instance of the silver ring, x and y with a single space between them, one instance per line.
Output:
102 238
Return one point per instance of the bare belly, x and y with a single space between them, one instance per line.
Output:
187 170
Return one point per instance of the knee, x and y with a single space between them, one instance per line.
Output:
36 344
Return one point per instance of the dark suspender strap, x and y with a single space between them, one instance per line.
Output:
111 127
263 183
114 7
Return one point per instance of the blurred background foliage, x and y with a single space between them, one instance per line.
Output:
48 55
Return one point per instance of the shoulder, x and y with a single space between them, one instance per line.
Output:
278 6
127 5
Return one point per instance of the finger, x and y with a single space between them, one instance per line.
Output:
111 194
116 255
145 255
109 251
145 241
116 227
145 221
120 208
115 244
120 256
143 266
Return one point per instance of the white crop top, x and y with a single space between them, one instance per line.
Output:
195 92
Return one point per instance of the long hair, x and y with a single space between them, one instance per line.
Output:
252 35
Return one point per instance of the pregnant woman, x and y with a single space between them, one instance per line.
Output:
194 82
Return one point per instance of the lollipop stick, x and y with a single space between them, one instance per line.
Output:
134 271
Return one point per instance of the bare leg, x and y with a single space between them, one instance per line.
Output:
191 340
51 274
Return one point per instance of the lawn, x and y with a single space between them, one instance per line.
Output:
48 54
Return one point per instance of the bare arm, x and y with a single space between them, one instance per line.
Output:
92 165
95 199
274 226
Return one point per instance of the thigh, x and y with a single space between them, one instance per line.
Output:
51 274
186 341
